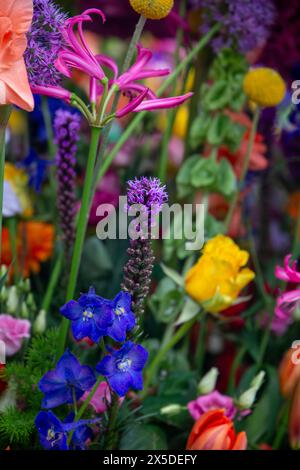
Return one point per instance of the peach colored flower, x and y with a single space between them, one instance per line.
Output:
12 332
15 20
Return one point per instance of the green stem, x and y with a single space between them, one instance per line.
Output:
111 436
244 168
13 235
200 351
234 367
180 333
100 171
55 273
296 234
85 405
4 117
80 232
48 125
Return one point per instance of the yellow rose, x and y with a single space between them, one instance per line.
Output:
217 278
152 9
19 183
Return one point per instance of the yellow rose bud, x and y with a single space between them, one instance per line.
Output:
264 87
216 280
152 9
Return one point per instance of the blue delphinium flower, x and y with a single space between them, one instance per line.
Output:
68 381
36 168
88 315
123 368
53 433
124 319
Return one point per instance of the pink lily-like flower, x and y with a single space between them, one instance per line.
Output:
287 302
77 55
53 91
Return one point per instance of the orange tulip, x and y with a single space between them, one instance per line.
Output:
214 431
289 372
15 21
294 419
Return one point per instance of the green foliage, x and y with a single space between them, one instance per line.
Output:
16 427
143 437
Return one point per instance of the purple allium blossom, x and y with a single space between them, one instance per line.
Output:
44 42
66 128
244 23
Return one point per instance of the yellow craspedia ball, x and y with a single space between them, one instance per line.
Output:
264 86
152 9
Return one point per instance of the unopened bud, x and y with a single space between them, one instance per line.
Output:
247 399
24 310
3 270
31 302
208 382
258 380
172 410
40 322
3 294
12 300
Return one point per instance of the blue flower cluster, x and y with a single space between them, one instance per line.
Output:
92 317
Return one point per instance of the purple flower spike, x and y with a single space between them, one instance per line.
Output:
123 368
45 40
147 191
67 381
66 128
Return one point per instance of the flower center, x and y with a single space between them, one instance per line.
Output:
119 310
124 365
53 436
87 315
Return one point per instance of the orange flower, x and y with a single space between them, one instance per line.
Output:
289 372
294 419
293 204
214 431
15 20
34 245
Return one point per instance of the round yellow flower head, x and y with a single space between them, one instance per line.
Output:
152 9
19 183
264 86
216 280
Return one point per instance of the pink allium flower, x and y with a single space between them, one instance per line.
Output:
211 401
288 301
12 332
101 399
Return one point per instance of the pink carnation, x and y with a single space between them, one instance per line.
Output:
211 401
101 399
12 332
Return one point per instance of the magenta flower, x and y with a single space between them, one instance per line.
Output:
76 54
101 399
287 302
12 332
211 401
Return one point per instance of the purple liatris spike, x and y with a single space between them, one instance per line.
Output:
151 195
45 40
66 128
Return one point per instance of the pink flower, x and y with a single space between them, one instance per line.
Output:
211 401
12 332
288 301
101 399
107 192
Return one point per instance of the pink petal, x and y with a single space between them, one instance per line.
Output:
164 103
55 92
132 105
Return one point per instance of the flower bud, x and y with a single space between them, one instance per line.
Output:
31 302
40 322
24 310
172 410
12 300
258 380
154 10
247 398
3 294
208 382
3 270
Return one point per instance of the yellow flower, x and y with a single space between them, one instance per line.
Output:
264 86
152 9
216 280
19 183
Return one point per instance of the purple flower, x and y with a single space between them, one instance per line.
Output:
44 42
124 319
244 23
53 433
148 192
123 368
66 129
212 401
89 316
68 381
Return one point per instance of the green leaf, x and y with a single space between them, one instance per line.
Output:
218 129
218 96
96 262
225 180
183 179
143 437
172 274
204 173
199 130
190 310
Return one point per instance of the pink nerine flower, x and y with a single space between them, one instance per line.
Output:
287 302
102 398
211 401
78 55
12 332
